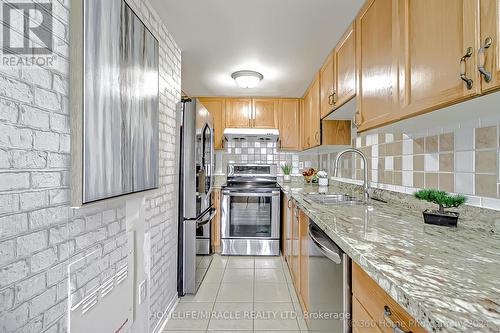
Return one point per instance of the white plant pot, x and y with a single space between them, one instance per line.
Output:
286 178
323 181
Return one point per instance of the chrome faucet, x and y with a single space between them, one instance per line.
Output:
366 193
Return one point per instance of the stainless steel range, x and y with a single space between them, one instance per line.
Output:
251 210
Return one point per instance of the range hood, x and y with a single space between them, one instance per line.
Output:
251 134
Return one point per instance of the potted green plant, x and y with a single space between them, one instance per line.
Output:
287 169
444 200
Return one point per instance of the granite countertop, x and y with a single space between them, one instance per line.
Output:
448 279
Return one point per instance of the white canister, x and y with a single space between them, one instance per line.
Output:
286 178
323 181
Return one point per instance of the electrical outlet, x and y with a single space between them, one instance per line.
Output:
301 165
142 291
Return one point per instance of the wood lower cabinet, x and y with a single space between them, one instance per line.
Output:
289 124
364 322
431 49
238 112
285 215
345 68
304 260
372 303
327 85
376 63
295 247
217 108
265 113
215 227
298 250
489 56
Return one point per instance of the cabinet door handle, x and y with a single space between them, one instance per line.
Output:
463 68
387 318
316 137
357 117
331 98
482 59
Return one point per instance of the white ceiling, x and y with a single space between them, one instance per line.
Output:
285 40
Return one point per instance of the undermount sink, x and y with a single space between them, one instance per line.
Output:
333 199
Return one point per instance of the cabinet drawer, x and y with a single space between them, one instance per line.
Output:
362 321
379 305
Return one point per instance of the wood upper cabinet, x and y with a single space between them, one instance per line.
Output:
345 68
238 112
303 124
311 116
327 78
489 56
305 121
314 116
265 113
437 38
217 108
376 63
289 123
336 132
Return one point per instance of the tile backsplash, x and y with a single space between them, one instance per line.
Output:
254 152
459 158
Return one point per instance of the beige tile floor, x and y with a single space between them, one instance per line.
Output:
241 294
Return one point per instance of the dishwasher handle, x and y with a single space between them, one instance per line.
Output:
334 256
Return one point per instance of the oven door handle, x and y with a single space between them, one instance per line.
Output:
202 222
332 255
251 194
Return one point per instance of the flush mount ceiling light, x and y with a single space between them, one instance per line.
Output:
247 79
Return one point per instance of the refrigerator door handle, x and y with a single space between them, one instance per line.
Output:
202 222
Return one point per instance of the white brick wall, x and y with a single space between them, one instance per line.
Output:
39 233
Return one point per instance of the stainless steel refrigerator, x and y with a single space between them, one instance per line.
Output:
196 184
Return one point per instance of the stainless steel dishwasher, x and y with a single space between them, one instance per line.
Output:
329 284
